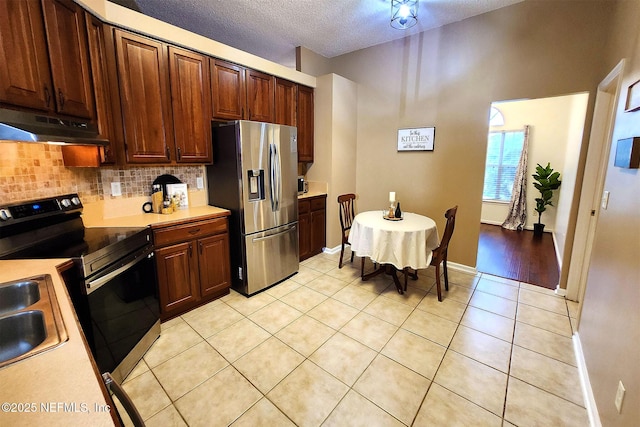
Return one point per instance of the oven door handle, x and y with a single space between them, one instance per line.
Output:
95 284
124 398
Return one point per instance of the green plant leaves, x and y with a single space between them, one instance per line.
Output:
546 181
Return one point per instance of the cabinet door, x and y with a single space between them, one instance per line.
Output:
304 236
25 78
83 155
68 54
305 124
215 270
318 231
191 105
177 280
286 94
260 96
144 92
228 93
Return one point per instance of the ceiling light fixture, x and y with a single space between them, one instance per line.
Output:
404 13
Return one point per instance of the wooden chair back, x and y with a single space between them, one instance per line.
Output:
347 213
440 252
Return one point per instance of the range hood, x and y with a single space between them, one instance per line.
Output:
19 126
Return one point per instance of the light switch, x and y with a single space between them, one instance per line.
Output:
605 200
199 183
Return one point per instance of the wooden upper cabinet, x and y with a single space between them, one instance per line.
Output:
305 124
228 93
191 105
144 93
25 77
286 95
69 58
260 96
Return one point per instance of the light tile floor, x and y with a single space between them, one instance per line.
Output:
325 348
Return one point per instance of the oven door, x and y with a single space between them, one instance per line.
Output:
123 312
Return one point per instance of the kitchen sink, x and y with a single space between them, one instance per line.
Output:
20 333
18 295
30 319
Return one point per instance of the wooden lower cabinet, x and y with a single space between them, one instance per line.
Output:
193 264
312 224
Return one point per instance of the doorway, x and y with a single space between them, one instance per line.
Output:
556 126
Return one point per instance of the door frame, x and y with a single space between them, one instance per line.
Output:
593 181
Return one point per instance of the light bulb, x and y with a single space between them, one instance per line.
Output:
404 12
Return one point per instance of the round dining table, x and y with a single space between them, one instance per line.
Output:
394 244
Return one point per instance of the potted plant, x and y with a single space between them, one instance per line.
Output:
546 180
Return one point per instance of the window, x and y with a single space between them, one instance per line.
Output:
503 155
495 117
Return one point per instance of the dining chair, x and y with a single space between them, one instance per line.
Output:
347 213
440 253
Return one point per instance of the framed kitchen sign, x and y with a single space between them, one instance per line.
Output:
416 139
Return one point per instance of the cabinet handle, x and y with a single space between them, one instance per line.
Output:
196 231
179 154
61 98
168 152
47 96
201 245
190 249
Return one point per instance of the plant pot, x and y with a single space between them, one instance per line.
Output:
538 229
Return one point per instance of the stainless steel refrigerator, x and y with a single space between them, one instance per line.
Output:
254 175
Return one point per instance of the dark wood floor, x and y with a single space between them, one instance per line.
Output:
518 255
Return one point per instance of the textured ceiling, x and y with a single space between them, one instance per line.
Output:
272 29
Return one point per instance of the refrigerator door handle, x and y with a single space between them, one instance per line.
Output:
271 236
274 171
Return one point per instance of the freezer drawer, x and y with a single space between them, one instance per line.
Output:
270 257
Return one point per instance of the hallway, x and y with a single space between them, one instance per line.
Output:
518 255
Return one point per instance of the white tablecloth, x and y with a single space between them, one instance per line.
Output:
406 243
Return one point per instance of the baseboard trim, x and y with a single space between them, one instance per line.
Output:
461 267
560 292
585 384
332 251
555 247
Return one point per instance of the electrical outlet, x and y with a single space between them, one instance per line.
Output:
199 183
619 396
116 189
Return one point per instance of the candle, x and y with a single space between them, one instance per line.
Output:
392 196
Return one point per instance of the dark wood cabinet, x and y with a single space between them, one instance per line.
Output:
286 97
44 61
25 76
107 101
228 92
260 96
144 93
176 279
312 217
214 266
191 105
305 123
193 264
68 55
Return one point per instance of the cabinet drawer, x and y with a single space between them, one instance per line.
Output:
304 206
317 204
179 233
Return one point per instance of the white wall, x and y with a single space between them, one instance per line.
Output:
555 136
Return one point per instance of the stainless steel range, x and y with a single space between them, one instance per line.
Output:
113 285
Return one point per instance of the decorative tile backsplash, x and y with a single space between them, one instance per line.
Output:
32 171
